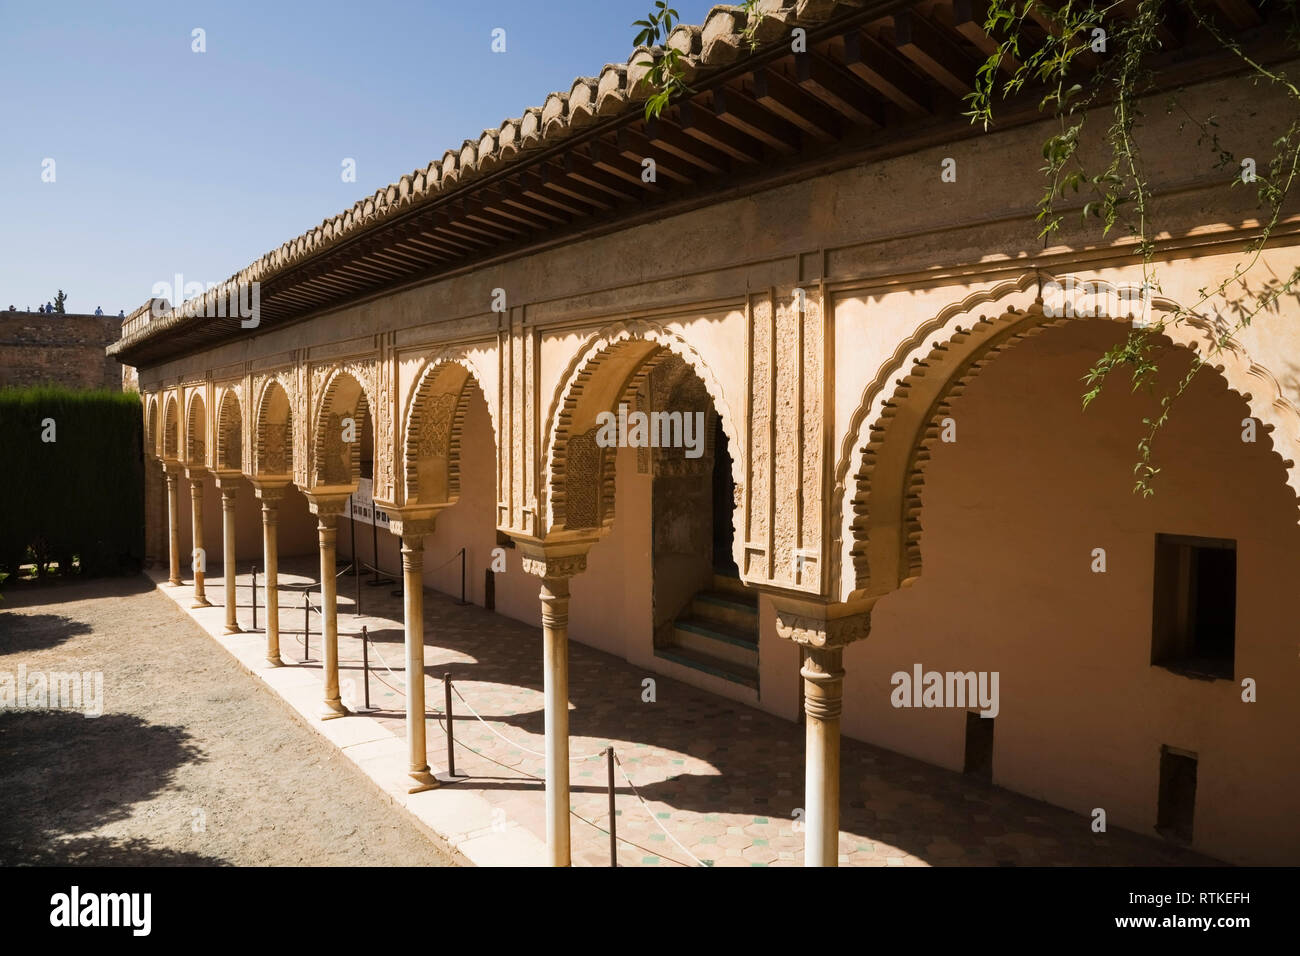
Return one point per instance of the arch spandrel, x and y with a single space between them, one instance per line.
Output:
901 417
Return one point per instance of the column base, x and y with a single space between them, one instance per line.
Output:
421 780
201 602
274 661
234 629
333 708
174 582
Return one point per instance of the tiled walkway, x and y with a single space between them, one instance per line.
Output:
722 778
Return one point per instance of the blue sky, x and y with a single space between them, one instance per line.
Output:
169 161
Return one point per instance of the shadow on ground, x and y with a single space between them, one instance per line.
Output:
56 590
67 775
36 632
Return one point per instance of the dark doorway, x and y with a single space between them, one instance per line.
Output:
979 746
1177 801
724 501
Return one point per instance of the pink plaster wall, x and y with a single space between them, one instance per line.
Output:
1012 511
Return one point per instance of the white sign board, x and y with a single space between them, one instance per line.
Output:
363 506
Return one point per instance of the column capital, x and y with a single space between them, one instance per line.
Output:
226 479
196 472
272 489
816 624
554 561
408 522
327 505
172 469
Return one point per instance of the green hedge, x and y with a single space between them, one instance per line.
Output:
80 496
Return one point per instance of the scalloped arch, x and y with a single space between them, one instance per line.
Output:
171 427
196 429
880 529
261 428
431 369
361 374
584 368
230 419
151 426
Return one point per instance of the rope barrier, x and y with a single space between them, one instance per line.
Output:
447 562
310 585
384 662
572 812
651 814
511 742
377 570
438 715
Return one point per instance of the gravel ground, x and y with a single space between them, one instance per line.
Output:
193 760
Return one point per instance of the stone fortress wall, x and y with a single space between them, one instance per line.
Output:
40 349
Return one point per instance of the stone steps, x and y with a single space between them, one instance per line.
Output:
718 633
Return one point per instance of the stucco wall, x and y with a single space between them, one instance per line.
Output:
1012 512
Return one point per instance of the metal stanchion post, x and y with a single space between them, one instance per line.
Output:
306 628
356 559
450 776
613 838
365 662
374 546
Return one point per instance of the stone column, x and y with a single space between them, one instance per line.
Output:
413 593
228 491
822 631
823 688
555 681
327 510
270 498
412 525
196 500
173 525
555 564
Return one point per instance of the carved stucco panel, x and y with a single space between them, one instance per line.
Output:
754 566
382 412
303 441
582 484
812 451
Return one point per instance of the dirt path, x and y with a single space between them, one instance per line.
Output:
192 762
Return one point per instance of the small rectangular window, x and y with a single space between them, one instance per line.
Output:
1194 619
1177 801
979 746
